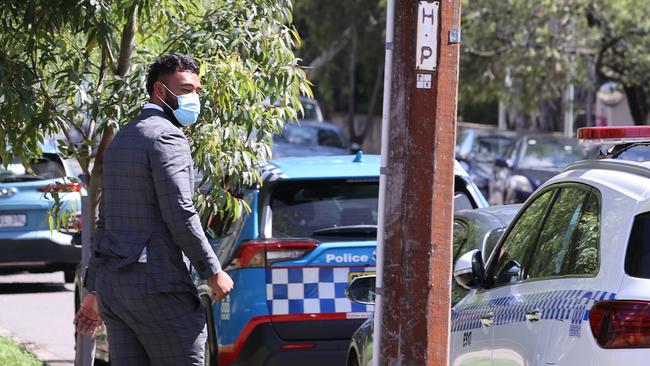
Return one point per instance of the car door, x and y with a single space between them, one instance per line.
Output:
514 339
532 290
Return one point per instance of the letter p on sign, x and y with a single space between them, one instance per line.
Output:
426 57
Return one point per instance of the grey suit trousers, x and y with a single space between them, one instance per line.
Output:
163 328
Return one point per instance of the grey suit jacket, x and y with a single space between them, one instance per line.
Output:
146 200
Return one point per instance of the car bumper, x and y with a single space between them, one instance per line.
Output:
38 251
265 348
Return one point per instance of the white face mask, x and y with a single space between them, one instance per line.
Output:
189 107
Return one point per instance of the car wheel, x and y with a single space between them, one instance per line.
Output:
211 342
68 275
353 359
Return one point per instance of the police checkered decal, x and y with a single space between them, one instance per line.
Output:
556 305
311 290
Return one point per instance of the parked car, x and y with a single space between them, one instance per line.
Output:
309 139
28 241
477 150
312 230
529 162
479 229
568 282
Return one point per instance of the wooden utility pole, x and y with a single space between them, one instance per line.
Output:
416 280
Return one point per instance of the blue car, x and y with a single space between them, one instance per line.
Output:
28 241
312 229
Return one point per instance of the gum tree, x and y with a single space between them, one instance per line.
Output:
78 68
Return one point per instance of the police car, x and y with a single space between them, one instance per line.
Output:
569 282
311 230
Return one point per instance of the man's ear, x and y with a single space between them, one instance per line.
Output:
156 91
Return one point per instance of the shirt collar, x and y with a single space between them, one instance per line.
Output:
153 106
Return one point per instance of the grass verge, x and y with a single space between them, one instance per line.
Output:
12 354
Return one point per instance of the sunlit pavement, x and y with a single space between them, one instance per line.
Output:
39 308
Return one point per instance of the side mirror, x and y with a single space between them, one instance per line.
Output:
469 270
362 290
502 163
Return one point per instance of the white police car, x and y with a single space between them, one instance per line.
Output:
569 282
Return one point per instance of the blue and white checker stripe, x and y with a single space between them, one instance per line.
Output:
311 290
557 305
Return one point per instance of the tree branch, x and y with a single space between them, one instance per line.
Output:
128 42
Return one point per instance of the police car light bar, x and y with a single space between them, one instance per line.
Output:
613 135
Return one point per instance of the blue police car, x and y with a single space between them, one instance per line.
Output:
311 230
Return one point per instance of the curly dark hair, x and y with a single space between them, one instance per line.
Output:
168 64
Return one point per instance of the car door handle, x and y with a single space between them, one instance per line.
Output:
534 315
488 319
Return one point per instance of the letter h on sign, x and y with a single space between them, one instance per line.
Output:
426 57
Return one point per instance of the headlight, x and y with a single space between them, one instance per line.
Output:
520 183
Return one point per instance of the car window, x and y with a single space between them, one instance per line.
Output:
309 111
488 148
461 235
462 243
492 239
584 256
301 208
309 136
49 166
462 201
538 153
519 243
637 258
559 230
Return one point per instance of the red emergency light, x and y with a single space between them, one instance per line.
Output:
614 135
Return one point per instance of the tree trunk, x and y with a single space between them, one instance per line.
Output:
637 99
379 78
328 54
352 85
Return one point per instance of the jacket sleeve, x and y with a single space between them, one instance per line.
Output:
171 165
91 271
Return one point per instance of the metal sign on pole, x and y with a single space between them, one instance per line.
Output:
414 244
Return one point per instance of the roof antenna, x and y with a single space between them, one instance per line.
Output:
358 158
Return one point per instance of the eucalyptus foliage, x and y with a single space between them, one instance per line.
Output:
527 52
80 67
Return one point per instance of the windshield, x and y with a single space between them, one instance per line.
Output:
308 135
49 166
309 209
309 111
554 154
488 148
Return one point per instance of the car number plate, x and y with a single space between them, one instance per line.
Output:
353 275
13 220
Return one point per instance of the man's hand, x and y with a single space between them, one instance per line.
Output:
87 320
221 285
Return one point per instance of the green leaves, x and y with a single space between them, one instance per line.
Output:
59 65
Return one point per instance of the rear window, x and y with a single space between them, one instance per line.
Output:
325 209
49 166
637 259
309 136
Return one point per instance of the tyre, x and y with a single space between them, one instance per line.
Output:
68 275
352 359
211 342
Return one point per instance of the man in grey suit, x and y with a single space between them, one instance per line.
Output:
138 277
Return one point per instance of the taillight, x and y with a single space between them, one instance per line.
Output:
61 187
263 253
621 324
